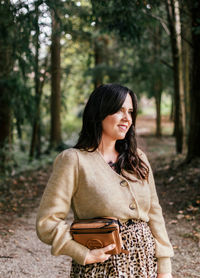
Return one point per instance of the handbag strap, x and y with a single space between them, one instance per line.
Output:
107 221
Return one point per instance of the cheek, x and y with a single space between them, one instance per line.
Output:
110 121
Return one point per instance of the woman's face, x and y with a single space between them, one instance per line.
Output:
115 126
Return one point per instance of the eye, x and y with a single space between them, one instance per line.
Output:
120 110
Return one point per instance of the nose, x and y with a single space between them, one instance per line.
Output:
127 116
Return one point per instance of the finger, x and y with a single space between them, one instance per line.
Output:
105 258
108 248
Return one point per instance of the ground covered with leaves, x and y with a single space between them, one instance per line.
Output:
19 194
178 185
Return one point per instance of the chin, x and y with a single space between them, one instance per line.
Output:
121 137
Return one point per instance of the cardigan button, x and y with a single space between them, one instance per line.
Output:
123 183
132 206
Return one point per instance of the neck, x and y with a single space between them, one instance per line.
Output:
107 149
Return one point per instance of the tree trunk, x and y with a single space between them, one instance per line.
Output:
186 31
6 66
35 132
36 135
158 111
172 109
157 79
55 138
176 46
182 113
98 79
5 127
98 48
35 150
194 132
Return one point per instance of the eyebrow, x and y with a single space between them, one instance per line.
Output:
130 109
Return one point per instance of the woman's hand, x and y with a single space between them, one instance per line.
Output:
99 255
164 275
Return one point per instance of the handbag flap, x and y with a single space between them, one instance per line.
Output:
95 223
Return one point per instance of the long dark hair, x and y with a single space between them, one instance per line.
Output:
106 100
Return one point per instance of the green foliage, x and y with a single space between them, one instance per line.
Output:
166 104
19 162
19 97
121 29
71 126
124 17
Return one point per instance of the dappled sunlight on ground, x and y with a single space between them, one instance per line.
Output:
146 125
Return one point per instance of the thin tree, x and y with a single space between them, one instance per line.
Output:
173 14
157 80
6 67
194 132
40 72
187 48
55 136
35 132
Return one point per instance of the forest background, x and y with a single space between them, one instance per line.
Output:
53 54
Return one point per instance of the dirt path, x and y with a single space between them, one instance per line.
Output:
22 255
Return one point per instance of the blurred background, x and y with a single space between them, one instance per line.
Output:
54 53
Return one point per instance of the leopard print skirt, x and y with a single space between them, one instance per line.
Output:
139 263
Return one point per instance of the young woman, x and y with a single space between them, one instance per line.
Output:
105 174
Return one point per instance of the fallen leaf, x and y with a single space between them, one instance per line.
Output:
22 178
173 221
171 179
180 216
191 208
175 246
189 217
196 234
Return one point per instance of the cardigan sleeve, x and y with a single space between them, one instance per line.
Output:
164 249
55 204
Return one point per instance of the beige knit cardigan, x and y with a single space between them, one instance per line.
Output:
85 182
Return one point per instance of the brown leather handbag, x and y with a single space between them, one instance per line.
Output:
98 233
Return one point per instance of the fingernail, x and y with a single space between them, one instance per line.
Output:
113 245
